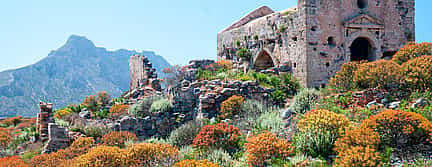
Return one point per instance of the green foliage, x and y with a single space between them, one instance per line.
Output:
161 106
315 143
278 96
250 110
270 121
185 134
282 28
289 84
305 101
142 108
386 156
221 157
95 131
61 122
243 53
237 43
102 114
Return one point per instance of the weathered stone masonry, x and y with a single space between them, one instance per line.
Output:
318 36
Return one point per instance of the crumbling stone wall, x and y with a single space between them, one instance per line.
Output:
144 80
317 36
141 72
44 117
58 138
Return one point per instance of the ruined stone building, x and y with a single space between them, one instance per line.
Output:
317 36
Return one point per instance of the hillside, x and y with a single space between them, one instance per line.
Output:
67 75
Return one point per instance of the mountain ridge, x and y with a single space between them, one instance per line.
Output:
76 69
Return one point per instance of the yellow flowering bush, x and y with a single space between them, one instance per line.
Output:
118 139
266 146
323 120
195 163
148 154
62 113
378 74
102 156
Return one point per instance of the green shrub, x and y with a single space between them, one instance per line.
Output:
315 143
270 121
305 101
142 108
96 131
289 84
250 110
278 97
185 134
243 53
221 157
161 106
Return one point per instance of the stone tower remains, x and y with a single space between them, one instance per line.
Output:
317 36
141 72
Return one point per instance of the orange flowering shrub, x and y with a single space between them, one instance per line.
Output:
103 98
102 156
13 161
220 135
62 113
11 121
118 110
343 80
358 156
149 154
118 139
412 50
91 103
48 160
323 120
225 64
266 146
195 163
5 139
417 73
363 137
231 106
378 74
399 128
80 146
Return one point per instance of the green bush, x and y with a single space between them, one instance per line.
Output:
221 157
315 143
270 121
289 84
243 53
185 134
305 101
250 110
161 106
96 131
142 108
157 140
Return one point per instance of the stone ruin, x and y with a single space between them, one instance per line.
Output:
55 137
317 36
143 78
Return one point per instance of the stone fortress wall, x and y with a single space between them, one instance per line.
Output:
317 36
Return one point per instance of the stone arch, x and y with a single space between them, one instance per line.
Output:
263 61
362 46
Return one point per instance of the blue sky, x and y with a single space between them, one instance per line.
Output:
179 30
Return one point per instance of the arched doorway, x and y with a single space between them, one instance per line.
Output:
362 49
263 61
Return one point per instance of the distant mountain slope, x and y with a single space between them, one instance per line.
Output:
67 75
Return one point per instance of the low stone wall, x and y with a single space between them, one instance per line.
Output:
58 138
